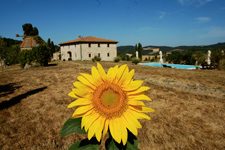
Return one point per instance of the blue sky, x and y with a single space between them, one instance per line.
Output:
151 22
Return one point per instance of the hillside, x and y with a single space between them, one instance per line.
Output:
7 42
130 49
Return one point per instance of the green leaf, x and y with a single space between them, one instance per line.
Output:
85 145
111 145
72 126
132 143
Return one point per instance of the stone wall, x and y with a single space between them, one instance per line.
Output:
86 51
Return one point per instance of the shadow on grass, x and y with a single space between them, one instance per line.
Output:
8 89
50 65
17 99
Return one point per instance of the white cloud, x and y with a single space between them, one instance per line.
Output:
203 19
194 2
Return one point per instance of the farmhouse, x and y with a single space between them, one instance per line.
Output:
86 48
28 43
31 41
150 53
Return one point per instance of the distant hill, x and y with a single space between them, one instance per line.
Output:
122 50
7 42
130 49
162 48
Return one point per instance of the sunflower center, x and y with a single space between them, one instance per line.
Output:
110 100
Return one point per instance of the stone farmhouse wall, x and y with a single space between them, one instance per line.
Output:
87 51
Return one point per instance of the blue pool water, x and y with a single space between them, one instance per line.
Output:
177 66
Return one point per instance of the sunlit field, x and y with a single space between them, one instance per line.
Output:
189 104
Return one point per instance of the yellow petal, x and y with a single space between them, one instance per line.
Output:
82 92
85 81
111 74
82 110
140 90
124 76
139 115
141 109
72 94
101 71
123 130
88 120
135 103
88 77
95 74
78 102
133 85
80 85
131 118
128 78
106 126
115 132
139 97
120 72
96 128
130 126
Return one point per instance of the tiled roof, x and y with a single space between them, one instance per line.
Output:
88 39
29 42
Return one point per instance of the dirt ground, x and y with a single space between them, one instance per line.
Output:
189 104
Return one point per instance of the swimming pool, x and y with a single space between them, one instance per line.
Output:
177 66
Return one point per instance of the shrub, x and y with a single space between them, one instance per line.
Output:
41 55
38 54
222 64
96 58
117 59
26 57
135 61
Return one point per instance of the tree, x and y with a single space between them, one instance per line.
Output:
175 57
34 32
51 46
48 42
199 57
12 53
140 49
41 55
9 50
29 30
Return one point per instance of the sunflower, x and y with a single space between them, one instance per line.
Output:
109 101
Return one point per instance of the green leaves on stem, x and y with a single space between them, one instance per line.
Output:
132 143
85 145
72 126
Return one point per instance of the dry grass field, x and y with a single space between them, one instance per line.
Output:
189 104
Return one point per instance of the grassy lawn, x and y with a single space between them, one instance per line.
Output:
189 104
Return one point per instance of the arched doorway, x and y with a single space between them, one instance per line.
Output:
69 55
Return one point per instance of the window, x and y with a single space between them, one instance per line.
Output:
89 55
98 54
98 44
108 54
89 45
108 45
